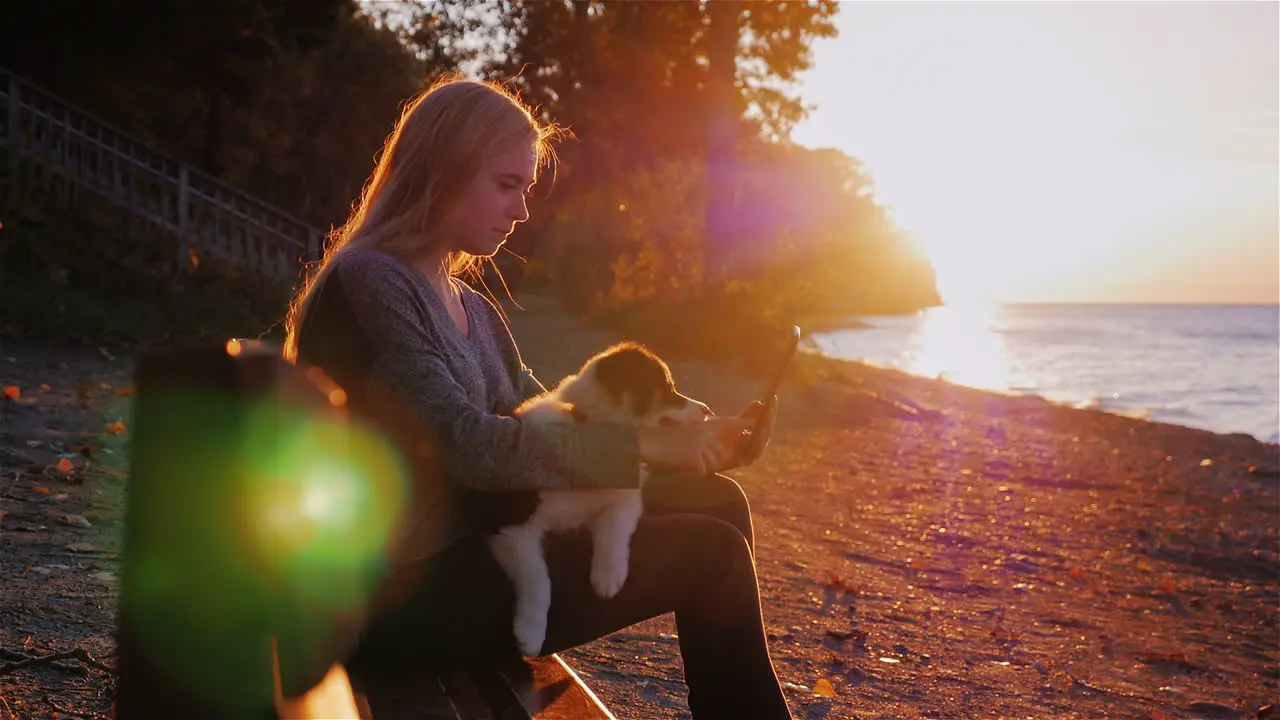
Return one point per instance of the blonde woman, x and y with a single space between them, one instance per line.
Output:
387 317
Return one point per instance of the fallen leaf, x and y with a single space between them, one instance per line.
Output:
1174 657
75 520
824 688
105 386
116 428
64 465
856 635
84 391
45 387
12 392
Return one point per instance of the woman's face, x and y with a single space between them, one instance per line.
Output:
489 207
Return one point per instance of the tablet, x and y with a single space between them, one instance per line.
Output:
770 390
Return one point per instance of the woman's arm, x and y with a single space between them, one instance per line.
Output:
526 383
481 450
702 447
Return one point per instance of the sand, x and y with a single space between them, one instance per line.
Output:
924 550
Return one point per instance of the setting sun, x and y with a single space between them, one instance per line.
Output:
1085 152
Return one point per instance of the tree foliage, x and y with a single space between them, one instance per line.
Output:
680 171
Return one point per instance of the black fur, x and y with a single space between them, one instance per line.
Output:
487 512
631 371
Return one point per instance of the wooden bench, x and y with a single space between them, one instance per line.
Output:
201 617
541 688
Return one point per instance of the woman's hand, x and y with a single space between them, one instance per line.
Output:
755 444
701 447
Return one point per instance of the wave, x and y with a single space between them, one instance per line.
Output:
1138 406
1212 368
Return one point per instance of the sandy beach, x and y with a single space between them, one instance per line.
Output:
924 550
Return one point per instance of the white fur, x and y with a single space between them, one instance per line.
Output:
611 515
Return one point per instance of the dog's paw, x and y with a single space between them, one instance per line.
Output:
530 633
607 578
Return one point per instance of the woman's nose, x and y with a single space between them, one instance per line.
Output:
520 210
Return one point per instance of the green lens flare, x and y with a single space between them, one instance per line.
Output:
319 500
250 521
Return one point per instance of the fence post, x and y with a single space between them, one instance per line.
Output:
183 195
210 214
13 140
315 248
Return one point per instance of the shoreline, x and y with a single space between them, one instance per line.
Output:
1093 404
927 549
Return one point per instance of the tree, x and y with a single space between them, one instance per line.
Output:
723 115
681 112
637 82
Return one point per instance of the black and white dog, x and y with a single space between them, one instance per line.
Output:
624 384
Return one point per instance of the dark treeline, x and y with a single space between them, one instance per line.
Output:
679 186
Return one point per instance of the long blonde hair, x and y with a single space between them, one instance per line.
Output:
442 137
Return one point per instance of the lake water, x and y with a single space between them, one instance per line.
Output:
1214 367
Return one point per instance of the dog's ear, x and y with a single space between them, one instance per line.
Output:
630 369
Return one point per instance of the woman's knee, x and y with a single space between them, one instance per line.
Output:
725 489
712 544
718 496
731 501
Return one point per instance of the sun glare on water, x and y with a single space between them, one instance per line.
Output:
956 343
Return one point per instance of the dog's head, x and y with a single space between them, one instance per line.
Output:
629 384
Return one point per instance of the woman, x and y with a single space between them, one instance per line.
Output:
387 319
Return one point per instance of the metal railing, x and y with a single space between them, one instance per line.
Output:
53 149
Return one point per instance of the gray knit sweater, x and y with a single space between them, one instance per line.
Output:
377 320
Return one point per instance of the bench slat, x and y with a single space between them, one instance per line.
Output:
470 699
536 689
557 693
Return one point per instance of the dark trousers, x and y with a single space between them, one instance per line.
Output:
692 554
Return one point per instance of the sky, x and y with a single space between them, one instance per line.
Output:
1066 151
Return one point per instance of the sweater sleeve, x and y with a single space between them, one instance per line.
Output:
482 451
526 383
